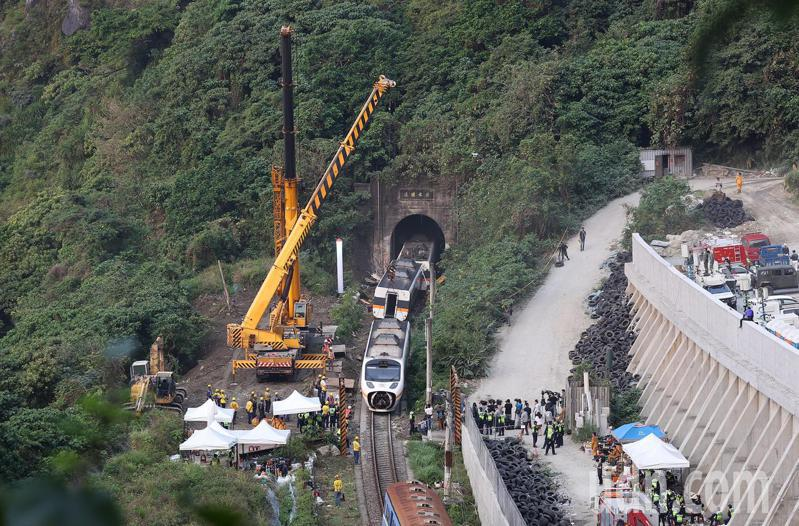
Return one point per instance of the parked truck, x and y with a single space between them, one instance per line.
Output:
752 243
623 507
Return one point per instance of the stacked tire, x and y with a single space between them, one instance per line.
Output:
530 484
724 212
605 345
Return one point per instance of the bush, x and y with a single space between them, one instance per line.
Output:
624 407
427 461
661 211
792 182
347 314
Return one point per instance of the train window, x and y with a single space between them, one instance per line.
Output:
383 371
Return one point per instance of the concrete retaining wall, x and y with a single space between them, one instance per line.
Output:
728 397
494 504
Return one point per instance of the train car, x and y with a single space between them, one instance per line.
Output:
413 504
397 289
421 252
403 280
384 362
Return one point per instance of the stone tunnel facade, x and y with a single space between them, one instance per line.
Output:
398 205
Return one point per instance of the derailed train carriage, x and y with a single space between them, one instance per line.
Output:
384 364
405 278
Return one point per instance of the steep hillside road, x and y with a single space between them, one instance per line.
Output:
534 350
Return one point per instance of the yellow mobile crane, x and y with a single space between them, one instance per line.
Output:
274 348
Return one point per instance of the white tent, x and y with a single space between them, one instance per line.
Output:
208 439
263 434
652 453
209 412
296 403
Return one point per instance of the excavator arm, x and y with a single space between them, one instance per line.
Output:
248 334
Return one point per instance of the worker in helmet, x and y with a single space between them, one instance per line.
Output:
267 401
318 386
260 408
234 405
210 392
250 409
322 390
356 449
222 400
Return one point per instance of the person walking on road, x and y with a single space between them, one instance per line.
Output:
739 181
563 250
356 449
582 238
599 472
549 439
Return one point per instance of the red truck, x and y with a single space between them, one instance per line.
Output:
752 244
746 253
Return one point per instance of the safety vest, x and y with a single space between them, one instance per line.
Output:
482 416
719 517
678 518
655 497
338 485
550 431
234 405
356 446
249 406
325 409
501 418
332 410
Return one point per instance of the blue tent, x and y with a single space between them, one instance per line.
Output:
636 431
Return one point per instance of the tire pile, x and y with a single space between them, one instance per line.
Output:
724 212
606 343
530 484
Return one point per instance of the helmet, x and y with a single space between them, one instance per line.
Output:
267 389
357 437
234 398
209 385
319 376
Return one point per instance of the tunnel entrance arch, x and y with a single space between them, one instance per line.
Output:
417 227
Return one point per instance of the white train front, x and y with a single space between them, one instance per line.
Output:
384 363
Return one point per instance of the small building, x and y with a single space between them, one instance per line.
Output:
668 161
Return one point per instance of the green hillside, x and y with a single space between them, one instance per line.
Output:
136 152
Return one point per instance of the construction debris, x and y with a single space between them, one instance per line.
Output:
724 212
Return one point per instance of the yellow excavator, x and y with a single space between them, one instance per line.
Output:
273 345
147 375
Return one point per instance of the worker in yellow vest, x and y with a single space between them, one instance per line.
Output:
250 410
356 449
338 489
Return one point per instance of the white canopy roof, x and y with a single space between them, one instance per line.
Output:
209 412
208 439
263 434
652 453
296 403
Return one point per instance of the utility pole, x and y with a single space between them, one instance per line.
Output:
428 331
448 449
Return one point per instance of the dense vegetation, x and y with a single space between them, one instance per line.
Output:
136 152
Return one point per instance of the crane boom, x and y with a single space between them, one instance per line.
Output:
247 334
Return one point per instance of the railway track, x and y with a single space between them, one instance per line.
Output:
384 465
382 448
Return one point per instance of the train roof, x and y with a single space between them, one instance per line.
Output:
417 504
405 272
417 250
387 338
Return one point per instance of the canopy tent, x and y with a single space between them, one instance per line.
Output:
262 434
636 431
208 439
652 453
296 403
209 412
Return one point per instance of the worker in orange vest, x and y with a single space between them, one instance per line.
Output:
739 181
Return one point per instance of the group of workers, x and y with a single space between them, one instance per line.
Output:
320 386
257 408
671 508
493 417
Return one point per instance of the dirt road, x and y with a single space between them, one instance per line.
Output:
775 211
534 350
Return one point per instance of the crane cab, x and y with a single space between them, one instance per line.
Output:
302 313
138 369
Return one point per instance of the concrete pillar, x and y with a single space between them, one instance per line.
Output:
676 370
778 503
711 377
686 388
709 404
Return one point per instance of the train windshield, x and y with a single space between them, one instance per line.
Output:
383 371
